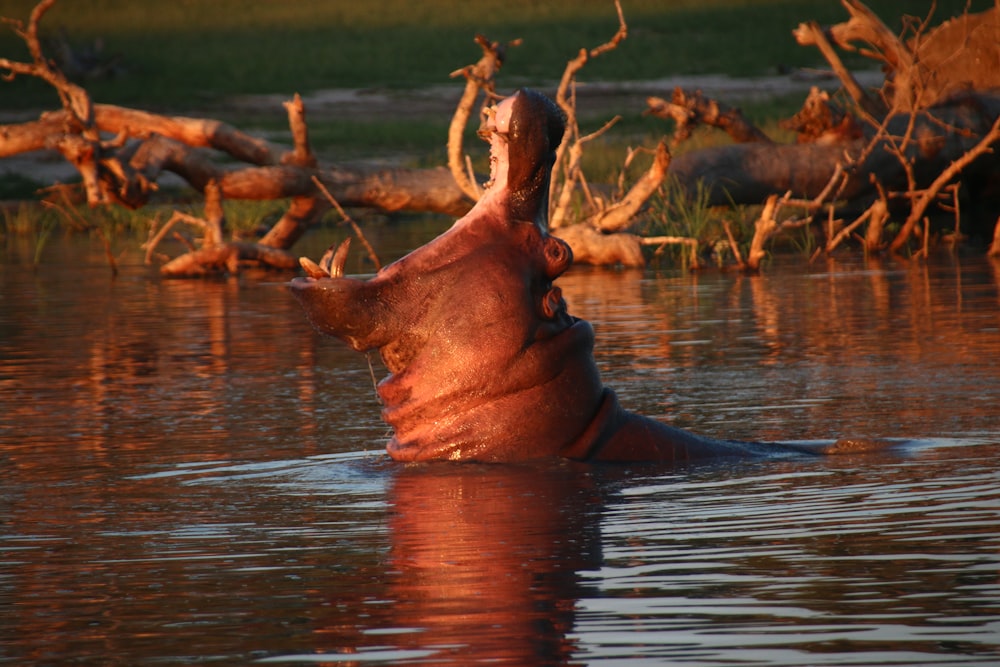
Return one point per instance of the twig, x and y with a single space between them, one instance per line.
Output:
177 216
184 241
349 220
566 100
836 240
574 175
618 216
733 247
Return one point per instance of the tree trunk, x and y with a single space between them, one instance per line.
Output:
748 173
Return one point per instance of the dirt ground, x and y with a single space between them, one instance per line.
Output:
594 97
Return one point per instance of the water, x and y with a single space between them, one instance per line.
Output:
188 474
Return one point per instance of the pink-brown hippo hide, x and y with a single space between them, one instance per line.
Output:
485 362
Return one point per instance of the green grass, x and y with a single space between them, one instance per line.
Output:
195 54
182 54
26 223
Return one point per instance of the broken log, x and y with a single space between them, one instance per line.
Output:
749 173
688 110
211 156
924 70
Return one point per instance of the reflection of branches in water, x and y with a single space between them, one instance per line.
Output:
174 357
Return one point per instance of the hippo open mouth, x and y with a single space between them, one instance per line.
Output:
459 275
473 332
485 363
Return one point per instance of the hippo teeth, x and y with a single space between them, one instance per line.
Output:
312 269
337 258
493 172
331 265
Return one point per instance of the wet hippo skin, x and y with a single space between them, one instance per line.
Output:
485 362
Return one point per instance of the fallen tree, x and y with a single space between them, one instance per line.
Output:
931 127
927 134
898 151
214 158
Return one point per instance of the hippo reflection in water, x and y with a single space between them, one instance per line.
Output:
485 362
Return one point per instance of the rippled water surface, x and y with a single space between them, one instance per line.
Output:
189 474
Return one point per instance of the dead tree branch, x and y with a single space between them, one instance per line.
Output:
478 77
919 206
765 227
690 109
599 237
566 99
621 214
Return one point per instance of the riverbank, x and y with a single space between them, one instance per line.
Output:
382 110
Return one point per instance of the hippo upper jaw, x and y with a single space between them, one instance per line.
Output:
524 132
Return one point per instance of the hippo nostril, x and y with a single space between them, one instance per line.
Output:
558 257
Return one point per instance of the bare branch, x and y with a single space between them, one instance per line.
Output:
478 77
302 154
570 150
620 215
919 206
688 110
812 34
765 228
349 220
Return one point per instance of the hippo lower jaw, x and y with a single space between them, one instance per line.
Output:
533 406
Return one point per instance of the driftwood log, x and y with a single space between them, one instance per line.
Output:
934 123
125 171
894 151
214 158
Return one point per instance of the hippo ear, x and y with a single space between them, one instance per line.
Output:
536 129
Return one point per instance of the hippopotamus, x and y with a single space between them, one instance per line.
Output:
485 362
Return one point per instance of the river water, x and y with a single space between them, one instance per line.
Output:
188 474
